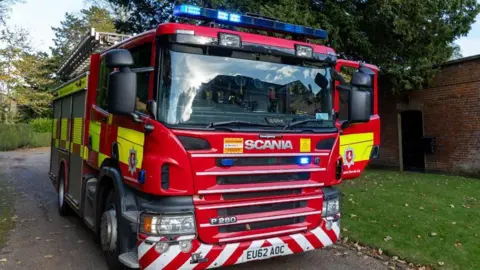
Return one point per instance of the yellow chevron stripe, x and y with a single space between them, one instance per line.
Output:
129 140
54 130
77 130
356 138
360 143
94 131
64 128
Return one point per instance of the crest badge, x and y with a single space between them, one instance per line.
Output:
132 161
349 157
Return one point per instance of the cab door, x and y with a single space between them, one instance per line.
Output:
359 142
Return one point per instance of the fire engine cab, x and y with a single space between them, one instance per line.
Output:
198 146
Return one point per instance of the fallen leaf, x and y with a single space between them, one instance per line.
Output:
441 263
380 251
391 267
3 260
406 205
38 238
419 236
353 215
453 223
433 234
388 238
344 229
48 256
421 208
458 244
48 240
395 258
452 206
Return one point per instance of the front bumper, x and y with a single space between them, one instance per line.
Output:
204 256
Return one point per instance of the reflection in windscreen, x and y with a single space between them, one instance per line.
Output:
208 89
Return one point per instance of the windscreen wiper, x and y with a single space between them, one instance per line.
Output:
303 122
236 123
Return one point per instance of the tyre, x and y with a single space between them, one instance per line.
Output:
63 207
109 239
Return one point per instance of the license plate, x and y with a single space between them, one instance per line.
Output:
263 253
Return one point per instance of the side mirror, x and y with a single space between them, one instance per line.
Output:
122 83
321 81
360 79
359 106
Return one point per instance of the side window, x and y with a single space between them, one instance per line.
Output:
102 92
347 73
142 59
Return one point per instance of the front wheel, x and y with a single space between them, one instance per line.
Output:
109 232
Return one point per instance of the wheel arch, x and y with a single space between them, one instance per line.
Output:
110 178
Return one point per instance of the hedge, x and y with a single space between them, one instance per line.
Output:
14 136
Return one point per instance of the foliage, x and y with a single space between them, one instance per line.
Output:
25 80
423 218
41 125
7 200
14 136
405 38
74 27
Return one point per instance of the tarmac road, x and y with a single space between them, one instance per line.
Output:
44 240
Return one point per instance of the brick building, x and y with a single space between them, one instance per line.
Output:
448 111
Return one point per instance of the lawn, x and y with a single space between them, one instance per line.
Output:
7 221
422 218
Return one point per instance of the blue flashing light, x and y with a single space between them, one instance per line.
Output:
304 160
188 9
222 15
194 12
227 162
141 177
235 17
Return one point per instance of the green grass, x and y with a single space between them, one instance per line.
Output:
16 136
429 218
6 210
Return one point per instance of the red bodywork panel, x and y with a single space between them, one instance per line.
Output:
373 126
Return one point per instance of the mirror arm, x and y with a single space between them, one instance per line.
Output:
345 124
136 118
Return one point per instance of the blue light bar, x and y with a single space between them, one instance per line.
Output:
304 160
226 162
223 17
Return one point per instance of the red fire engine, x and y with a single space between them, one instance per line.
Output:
197 146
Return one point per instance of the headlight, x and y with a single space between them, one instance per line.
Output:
331 207
167 225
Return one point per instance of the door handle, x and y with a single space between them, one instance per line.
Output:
89 142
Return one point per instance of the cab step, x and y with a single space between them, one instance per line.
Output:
129 259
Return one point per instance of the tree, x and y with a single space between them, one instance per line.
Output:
24 80
74 27
405 38
14 44
34 80
5 9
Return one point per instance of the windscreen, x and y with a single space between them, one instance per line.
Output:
199 89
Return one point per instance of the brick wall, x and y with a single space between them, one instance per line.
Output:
451 112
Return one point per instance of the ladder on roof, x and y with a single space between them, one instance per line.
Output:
92 42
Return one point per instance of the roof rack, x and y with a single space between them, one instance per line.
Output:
92 42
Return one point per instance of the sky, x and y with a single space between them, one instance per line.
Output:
38 16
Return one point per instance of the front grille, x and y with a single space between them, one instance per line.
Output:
234 211
260 194
259 161
261 225
262 178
